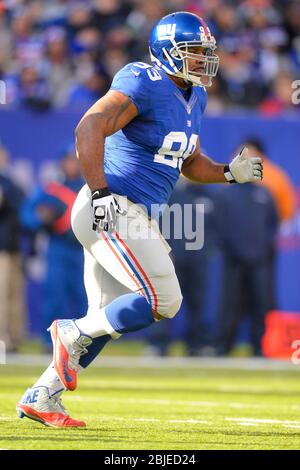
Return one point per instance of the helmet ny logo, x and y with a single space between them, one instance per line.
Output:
166 31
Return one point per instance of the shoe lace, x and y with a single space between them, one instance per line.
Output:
60 404
78 351
56 403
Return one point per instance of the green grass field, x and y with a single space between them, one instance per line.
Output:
162 408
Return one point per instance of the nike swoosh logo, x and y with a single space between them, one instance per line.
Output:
135 73
66 375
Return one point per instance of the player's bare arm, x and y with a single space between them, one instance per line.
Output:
111 113
202 169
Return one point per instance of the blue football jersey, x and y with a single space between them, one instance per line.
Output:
143 160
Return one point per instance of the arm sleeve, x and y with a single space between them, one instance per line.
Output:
134 82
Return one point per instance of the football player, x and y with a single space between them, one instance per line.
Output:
132 145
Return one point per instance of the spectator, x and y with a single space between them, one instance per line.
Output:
280 186
33 92
12 317
57 65
94 85
26 40
276 180
49 209
140 22
79 17
247 226
196 337
280 99
110 14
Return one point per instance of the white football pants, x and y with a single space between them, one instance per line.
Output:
135 258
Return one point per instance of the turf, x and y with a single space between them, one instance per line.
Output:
153 408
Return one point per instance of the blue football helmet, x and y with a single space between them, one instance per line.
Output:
171 40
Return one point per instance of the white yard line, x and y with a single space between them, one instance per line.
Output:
264 421
247 424
164 362
150 420
151 401
158 401
243 389
284 423
163 402
189 421
248 405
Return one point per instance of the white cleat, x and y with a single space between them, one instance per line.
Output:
37 404
69 344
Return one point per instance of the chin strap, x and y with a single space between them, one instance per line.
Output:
188 83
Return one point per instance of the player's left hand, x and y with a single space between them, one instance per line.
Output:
104 210
244 169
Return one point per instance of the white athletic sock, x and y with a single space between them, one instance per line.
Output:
95 324
50 379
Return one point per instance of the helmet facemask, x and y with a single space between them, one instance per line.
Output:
181 44
209 60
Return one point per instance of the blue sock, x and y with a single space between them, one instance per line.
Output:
93 350
129 312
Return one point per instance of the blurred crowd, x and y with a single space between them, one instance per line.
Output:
65 52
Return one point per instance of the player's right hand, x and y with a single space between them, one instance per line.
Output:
104 210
